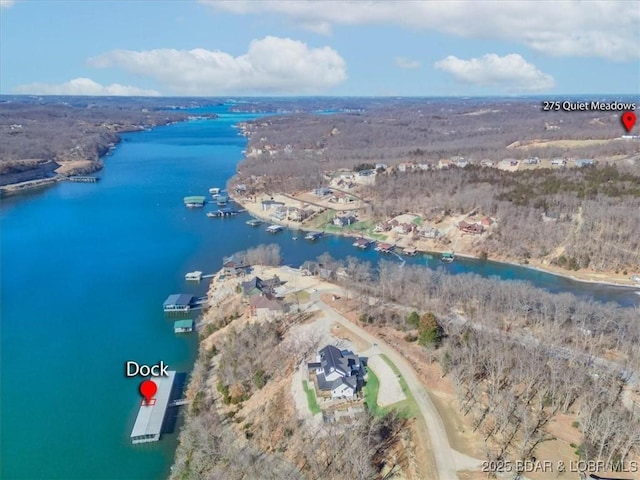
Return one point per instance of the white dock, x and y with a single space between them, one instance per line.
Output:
148 425
275 228
194 276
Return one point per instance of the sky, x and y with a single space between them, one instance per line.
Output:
313 47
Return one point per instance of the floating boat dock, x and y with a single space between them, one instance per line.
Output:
222 212
254 222
214 191
183 326
194 276
362 243
448 257
275 228
384 247
410 251
148 425
221 200
313 236
194 201
178 302
79 179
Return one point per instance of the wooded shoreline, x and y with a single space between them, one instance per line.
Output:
609 278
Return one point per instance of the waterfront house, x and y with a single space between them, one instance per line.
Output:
558 162
258 286
299 214
265 306
269 204
280 213
382 227
403 228
338 372
178 302
428 231
234 266
344 221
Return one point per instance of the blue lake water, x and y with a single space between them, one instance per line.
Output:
84 271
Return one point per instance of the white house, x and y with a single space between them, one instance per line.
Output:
340 372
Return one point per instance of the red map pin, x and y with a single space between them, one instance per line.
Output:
628 120
148 389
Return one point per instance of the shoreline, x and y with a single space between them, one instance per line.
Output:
105 150
290 225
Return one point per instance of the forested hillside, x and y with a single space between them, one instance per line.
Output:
39 134
575 218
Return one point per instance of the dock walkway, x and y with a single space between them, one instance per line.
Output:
81 179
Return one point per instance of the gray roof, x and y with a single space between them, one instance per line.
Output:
232 261
338 360
178 299
255 282
151 417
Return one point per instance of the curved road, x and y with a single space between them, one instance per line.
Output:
447 459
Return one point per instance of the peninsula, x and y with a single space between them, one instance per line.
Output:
434 389
47 139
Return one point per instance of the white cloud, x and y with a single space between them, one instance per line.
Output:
511 71
406 63
608 29
83 86
7 3
271 65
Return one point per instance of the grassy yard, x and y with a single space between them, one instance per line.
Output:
371 393
311 398
301 296
408 407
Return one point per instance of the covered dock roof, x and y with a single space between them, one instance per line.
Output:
148 425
